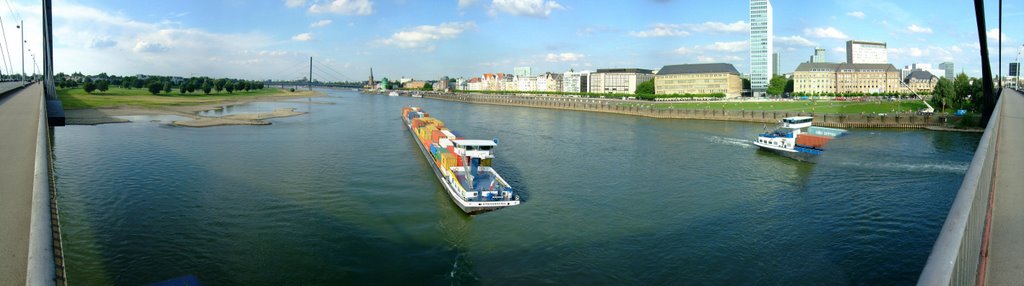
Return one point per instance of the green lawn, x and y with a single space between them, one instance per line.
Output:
77 98
845 107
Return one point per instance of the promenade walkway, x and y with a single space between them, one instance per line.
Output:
19 130
1005 264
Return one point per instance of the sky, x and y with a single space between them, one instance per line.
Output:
466 38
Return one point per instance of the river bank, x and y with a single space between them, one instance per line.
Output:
187 107
839 120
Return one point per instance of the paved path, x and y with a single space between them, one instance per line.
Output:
1006 249
19 127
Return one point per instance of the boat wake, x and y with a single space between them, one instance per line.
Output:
947 167
732 141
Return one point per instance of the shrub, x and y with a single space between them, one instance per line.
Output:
89 87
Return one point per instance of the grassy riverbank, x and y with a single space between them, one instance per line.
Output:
835 107
77 98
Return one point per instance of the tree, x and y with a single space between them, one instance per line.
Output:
167 87
102 86
777 85
206 87
154 88
746 84
218 84
942 93
962 86
646 87
428 87
89 86
789 85
229 87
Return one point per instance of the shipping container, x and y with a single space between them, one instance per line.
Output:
825 131
448 134
812 140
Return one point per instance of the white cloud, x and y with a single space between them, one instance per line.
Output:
320 23
685 51
532 8
914 28
661 30
735 27
294 3
149 47
564 57
669 30
856 14
718 47
303 37
273 53
344 7
994 35
826 32
710 59
101 43
422 37
466 3
737 46
794 41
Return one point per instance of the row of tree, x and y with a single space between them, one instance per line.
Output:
962 92
156 84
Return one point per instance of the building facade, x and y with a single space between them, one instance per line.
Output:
907 70
949 69
617 80
549 82
699 79
575 81
860 52
526 83
775 63
522 71
815 78
921 81
818 56
761 47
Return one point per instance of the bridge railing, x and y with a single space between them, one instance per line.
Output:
956 256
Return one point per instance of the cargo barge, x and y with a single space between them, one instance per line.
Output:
462 166
789 140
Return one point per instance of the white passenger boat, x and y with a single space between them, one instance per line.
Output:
790 140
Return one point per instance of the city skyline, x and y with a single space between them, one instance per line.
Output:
270 40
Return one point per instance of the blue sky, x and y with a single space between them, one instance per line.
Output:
428 39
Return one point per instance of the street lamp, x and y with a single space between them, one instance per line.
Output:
20 25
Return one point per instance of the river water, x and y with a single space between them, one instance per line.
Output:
343 196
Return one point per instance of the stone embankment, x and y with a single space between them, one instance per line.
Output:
610 106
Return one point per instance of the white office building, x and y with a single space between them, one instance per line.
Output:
859 52
760 46
575 81
617 80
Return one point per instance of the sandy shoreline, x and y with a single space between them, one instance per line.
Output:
94 116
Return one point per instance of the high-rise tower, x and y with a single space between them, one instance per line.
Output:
760 46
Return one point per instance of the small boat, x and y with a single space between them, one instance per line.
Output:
417 95
790 140
463 167
393 93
